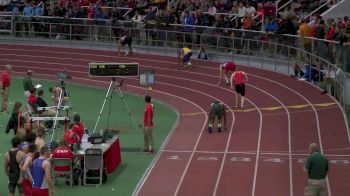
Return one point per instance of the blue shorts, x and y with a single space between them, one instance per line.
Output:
187 57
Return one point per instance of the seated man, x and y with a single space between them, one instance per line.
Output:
217 109
40 102
32 97
62 151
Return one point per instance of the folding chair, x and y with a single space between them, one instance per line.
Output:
93 161
64 174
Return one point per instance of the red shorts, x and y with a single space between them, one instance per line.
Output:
40 192
27 187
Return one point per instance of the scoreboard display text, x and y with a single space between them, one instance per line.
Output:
113 69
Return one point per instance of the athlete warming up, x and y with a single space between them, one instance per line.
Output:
217 109
127 39
224 70
238 79
185 57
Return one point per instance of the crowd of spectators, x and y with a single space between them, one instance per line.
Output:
213 17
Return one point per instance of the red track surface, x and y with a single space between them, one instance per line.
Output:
260 154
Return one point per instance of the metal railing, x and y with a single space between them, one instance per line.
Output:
280 53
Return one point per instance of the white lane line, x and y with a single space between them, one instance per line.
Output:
317 121
253 153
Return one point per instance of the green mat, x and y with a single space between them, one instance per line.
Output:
87 102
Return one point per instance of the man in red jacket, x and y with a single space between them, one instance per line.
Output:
61 152
4 86
148 125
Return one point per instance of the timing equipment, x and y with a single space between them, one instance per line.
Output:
113 69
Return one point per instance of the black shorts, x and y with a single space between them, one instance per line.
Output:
127 40
240 89
12 187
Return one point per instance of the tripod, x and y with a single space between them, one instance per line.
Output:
112 87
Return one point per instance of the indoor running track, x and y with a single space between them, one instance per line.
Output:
261 153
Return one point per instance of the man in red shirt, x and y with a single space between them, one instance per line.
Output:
61 152
4 86
224 69
70 137
239 78
78 127
32 97
148 126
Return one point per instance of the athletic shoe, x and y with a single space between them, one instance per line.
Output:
145 150
151 151
237 106
219 129
210 130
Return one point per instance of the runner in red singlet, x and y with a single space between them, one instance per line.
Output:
239 78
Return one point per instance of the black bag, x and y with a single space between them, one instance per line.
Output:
95 173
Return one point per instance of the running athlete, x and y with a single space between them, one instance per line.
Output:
217 109
239 78
127 39
185 57
224 69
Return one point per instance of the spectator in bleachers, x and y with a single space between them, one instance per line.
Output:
188 28
250 11
136 19
212 9
28 13
38 13
160 34
320 34
260 11
203 6
305 31
271 29
235 8
331 32
242 10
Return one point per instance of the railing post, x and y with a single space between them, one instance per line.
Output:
110 37
166 42
217 48
70 35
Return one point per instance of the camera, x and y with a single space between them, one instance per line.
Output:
63 75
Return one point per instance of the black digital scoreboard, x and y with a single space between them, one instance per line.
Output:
113 69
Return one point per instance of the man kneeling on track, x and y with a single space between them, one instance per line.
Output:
217 109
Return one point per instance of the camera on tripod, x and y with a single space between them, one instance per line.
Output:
63 75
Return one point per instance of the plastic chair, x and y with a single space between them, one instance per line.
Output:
63 162
93 161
